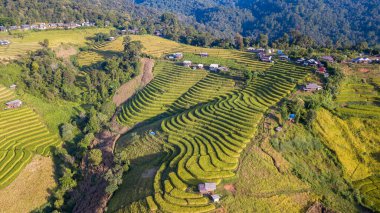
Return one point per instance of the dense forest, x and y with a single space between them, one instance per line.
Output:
326 21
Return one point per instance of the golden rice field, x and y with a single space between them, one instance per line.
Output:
356 142
30 40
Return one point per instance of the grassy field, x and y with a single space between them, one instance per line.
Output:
203 142
29 41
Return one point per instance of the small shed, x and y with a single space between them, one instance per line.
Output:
327 58
214 67
111 38
186 63
321 70
177 55
203 55
205 188
14 104
312 87
283 57
278 129
200 66
223 69
13 86
215 198
292 117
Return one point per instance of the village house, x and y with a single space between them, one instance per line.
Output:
3 29
215 198
186 63
265 58
312 87
14 104
111 38
200 66
214 67
321 70
13 86
223 69
157 33
4 42
203 55
25 27
326 58
300 61
206 188
254 50
361 60
283 57
14 27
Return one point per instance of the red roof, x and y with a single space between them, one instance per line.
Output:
321 69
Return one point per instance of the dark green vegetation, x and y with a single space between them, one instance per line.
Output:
327 21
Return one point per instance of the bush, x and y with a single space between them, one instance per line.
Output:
95 157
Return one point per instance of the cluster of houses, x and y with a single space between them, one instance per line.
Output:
209 189
189 64
4 42
45 26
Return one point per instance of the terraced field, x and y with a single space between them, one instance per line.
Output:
100 52
29 40
158 47
5 94
22 135
359 95
370 190
204 141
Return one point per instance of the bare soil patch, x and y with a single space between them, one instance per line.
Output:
65 51
230 187
31 188
128 89
364 70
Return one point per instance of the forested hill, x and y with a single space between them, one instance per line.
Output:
326 21
32 11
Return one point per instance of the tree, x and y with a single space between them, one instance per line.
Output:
263 40
68 131
95 157
45 43
239 43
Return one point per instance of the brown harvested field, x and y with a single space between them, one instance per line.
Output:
30 189
65 51
128 89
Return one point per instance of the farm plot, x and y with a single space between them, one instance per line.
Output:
204 143
22 135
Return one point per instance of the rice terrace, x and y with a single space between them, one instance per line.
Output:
189 107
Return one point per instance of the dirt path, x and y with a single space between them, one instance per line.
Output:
128 89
